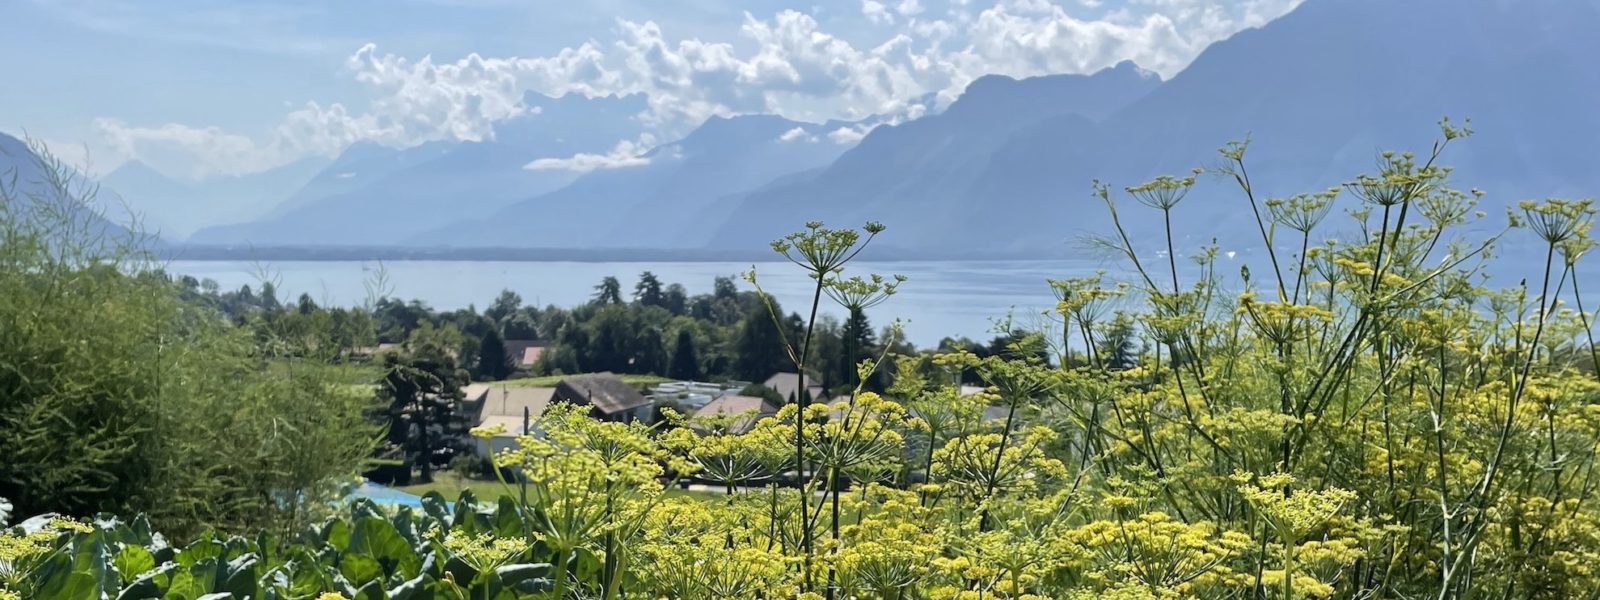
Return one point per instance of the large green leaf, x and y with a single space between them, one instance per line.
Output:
186 586
152 584
134 561
466 504
508 518
511 575
405 522
373 590
337 534
207 573
239 576
75 585
205 548
92 555
306 575
378 539
434 505
360 568
412 589
586 565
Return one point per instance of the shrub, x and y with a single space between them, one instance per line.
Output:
117 395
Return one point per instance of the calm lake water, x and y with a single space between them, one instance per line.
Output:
939 299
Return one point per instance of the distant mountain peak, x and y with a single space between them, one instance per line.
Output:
136 168
1130 67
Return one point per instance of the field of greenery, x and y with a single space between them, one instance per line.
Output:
1363 419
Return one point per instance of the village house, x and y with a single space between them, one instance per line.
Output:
788 386
525 353
608 396
748 409
508 407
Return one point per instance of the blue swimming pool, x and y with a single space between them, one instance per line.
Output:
386 495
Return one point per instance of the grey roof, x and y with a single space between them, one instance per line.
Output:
506 406
474 392
509 401
605 391
738 405
788 385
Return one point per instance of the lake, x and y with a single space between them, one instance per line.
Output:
939 299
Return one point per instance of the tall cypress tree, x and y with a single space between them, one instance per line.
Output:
759 350
859 344
493 361
685 359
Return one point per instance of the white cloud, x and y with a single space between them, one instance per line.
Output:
798 133
199 152
627 153
876 12
848 135
786 64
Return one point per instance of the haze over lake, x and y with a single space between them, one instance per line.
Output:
938 299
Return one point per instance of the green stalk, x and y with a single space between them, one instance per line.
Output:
563 558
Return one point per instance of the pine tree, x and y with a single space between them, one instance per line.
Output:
648 291
421 390
608 292
860 344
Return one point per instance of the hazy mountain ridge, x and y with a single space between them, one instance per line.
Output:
668 202
178 208
1007 167
440 182
1319 92
32 183
907 175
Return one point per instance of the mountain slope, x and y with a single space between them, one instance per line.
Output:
32 187
663 203
178 208
1319 91
904 174
401 194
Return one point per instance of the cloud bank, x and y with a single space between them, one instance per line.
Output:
926 52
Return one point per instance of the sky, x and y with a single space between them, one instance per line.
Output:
208 88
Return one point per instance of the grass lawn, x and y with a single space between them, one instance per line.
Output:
552 380
450 485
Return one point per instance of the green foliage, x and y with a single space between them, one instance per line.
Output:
493 361
1365 421
685 359
648 291
367 553
759 350
608 292
421 390
121 391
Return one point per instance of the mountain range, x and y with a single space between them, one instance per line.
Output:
176 208
1005 169
34 184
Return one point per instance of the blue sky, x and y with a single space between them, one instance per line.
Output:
199 88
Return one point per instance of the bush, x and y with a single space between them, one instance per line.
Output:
116 395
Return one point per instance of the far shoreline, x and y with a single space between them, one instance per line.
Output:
595 255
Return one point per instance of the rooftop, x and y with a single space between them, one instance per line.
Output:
605 391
